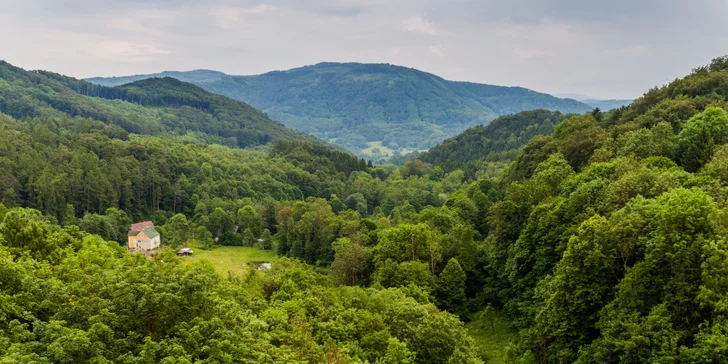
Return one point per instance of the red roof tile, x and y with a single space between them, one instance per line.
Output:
141 226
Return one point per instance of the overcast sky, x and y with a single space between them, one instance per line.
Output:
607 49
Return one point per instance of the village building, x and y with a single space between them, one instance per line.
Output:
143 237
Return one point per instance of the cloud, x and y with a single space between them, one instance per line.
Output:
437 49
231 17
418 24
127 50
617 48
528 53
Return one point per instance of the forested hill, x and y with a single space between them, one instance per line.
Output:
603 242
491 147
158 106
375 109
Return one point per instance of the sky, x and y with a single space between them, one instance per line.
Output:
604 49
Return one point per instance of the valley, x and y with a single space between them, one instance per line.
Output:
555 233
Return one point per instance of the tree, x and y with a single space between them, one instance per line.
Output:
357 202
98 224
450 291
718 165
700 136
336 203
397 352
350 262
221 224
69 215
204 237
578 137
267 240
405 242
120 222
248 218
177 231
249 238
580 287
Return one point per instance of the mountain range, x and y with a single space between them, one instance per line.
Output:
374 110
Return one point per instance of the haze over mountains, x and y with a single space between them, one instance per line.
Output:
374 110
602 104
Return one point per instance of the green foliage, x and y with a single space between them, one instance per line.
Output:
350 262
315 157
700 136
577 138
497 143
450 290
220 223
159 106
249 219
70 168
603 242
605 246
96 303
177 231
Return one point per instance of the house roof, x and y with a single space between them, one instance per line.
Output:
150 232
140 226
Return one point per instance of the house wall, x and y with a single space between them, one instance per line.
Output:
156 242
142 241
145 243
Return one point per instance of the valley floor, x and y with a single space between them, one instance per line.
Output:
230 259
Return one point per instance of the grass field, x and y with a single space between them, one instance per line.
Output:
492 335
230 259
384 152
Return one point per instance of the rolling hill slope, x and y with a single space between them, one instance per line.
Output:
492 146
157 106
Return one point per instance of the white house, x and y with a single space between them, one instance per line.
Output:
143 236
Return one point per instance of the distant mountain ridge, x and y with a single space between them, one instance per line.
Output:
374 110
595 102
194 76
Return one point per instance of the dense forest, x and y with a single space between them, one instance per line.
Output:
488 149
374 110
603 241
162 106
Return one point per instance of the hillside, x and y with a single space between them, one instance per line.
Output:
376 110
492 146
602 242
158 106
